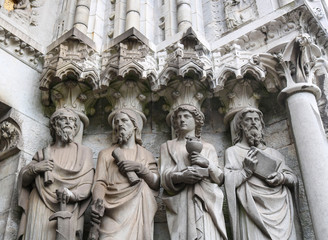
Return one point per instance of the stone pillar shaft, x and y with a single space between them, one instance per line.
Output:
132 14
312 149
82 15
184 14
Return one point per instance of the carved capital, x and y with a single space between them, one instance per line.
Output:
129 92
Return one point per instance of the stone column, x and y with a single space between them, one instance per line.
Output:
82 15
132 14
312 150
183 14
311 144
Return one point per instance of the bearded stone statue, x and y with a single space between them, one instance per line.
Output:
261 190
61 173
126 176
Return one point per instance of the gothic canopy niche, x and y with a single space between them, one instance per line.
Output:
71 74
186 56
241 77
10 133
129 53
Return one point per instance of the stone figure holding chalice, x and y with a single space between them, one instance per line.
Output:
191 177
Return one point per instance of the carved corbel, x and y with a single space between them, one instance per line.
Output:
71 74
10 133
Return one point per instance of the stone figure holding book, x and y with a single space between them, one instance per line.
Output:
56 184
126 181
260 188
191 177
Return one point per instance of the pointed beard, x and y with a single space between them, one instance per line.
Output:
123 137
66 136
254 136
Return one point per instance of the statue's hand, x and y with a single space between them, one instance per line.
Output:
65 195
130 166
250 160
189 176
198 159
43 166
97 211
275 179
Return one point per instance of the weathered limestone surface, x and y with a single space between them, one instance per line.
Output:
231 51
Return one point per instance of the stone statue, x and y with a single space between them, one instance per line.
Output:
59 175
258 184
125 180
191 181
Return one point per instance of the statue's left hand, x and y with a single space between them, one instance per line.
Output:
130 166
275 179
65 195
198 159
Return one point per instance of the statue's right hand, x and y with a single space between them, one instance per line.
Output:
250 160
190 176
43 166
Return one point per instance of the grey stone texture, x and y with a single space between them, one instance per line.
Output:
216 53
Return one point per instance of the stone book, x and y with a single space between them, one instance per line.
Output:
266 165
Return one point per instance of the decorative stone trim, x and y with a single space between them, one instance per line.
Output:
19 48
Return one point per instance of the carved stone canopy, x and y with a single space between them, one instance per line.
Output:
70 74
129 52
240 80
188 55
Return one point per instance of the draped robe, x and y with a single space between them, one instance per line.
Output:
73 169
258 211
129 210
193 211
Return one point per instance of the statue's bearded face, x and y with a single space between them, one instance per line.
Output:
123 127
65 127
252 128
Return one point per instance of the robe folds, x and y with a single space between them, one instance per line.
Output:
193 211
258 211
129 210
73 169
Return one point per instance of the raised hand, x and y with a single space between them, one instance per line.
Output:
250 160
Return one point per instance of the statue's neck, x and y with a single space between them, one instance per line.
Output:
182 136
